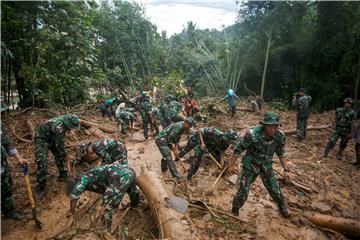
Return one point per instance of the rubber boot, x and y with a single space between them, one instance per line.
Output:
172 167
40 190
235 211
326 151
339 155
284 210
14 215
164 166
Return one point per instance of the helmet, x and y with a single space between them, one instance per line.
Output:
271 118
143 93
191 121
4 107
230 92
231 135
72 121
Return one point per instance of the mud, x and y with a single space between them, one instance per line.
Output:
334 188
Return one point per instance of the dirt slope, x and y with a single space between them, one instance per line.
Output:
334 188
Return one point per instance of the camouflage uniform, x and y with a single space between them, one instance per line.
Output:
174 109
112 181
167 137
215 141
125 117
7 203
156 119
258 161
106 107
145 109
110 151
303 111
50 136
164 111
343 121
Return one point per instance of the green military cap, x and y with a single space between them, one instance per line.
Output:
271 118
72 121
191 121
231 135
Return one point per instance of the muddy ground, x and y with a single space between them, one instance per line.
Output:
334 187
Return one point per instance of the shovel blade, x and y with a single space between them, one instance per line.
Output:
178 204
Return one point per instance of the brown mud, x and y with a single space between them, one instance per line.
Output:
333 187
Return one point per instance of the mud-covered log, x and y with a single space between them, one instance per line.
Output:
102 128
344 225
309 128
96 132
167 220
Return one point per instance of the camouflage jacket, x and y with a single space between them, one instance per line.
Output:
171 134
108 180
125 115
344 117
213 138
6 147
110 150
145 108
260 149
156 113
302 103
174 108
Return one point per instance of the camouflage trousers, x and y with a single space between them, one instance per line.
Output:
166 162
343 134
155 126
193 143
7 202
145 124
301 127
269 180
42 148
125 123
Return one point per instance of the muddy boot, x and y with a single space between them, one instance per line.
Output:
40 190
164 166
14 215
62 177
235 211
326 152
172 167
339 155
284 210
180 179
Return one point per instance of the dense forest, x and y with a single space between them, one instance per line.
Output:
55 52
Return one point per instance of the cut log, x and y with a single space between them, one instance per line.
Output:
309 128
31 128
102 128
167 220
344 225
96 132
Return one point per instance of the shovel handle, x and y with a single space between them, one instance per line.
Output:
25 170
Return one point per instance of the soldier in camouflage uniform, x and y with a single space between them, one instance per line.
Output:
7 202
206 140
112 181
168 140
343 128
50 136
302 102
156 119
164 109
260 144
109 150
125 117
146 115
174 112
106 107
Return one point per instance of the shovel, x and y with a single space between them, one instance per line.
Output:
25 171
178 204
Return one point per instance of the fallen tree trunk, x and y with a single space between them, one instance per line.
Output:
344 225
102 128
97 132
309 128
167 220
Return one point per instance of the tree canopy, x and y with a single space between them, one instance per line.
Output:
63 52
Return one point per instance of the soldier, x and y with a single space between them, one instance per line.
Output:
261 143
231 97
50 136
343 128
156 119
109 150
106 107
7 201
112 181
125 117
164 108
302 102
207 140
174 113
145 112
168 140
